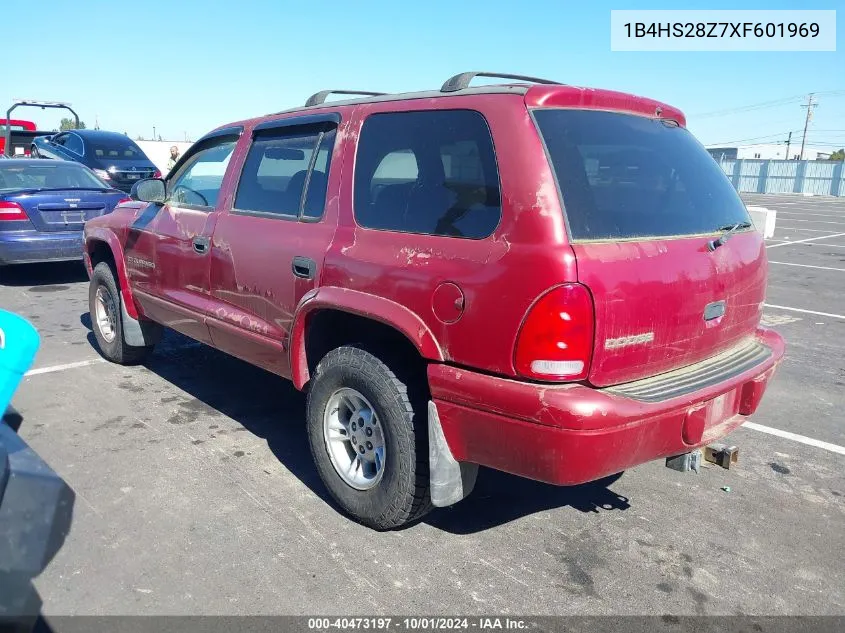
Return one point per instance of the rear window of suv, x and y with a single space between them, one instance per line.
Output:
431 172
623 176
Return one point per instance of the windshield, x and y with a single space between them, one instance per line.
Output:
623 176
116 149
47 176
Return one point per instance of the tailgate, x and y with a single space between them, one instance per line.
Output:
643 199
661 305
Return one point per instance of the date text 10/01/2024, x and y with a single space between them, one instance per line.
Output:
417 623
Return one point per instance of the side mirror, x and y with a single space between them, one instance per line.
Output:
149 190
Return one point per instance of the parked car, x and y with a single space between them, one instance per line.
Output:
114 157
16 126
43 207
548 280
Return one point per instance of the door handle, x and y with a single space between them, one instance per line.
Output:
201 244
304 267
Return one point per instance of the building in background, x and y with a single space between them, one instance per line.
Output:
766 151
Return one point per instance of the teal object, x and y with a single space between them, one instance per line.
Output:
19 341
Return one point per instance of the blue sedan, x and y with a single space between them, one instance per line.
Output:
44 206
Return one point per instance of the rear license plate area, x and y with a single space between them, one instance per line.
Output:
722 408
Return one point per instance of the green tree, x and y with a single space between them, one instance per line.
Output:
69 124
838 155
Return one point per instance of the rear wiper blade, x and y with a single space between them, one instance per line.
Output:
727 231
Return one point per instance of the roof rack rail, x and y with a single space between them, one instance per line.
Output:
320 97
462 80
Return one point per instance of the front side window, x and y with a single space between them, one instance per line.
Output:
431 172
198 182
623 176
286 172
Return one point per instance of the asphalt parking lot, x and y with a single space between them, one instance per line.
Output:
195 492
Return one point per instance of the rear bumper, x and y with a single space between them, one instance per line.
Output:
572 434
29 247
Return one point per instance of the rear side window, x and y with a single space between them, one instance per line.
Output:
430 172
116 149
623 176
285 172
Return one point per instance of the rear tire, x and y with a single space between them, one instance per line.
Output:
384 493
107 319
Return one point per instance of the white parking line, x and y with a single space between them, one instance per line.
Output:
807 266
798 228
809 239
814 221
818 215
802 310
826 245
54 368
809 441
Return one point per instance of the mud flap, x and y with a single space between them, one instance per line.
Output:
139 333
451 480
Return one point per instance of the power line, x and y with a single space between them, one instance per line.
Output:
743 109
763 105
753 138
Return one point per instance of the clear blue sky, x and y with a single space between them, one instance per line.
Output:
195 64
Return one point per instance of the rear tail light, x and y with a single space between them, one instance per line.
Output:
157 174
122 200
555 341
12 211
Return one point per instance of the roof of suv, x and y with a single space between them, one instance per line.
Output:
537 93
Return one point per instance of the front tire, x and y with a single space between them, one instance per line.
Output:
33 152
107 319
368 437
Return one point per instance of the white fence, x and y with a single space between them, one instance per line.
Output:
811 177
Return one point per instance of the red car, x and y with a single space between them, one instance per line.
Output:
16 125
554 281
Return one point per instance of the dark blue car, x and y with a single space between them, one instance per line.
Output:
44 206
114 157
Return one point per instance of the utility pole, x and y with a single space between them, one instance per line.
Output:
154 132
809 105
788 143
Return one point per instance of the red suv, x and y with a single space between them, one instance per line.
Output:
553 281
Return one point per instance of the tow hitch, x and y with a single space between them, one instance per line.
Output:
719 454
